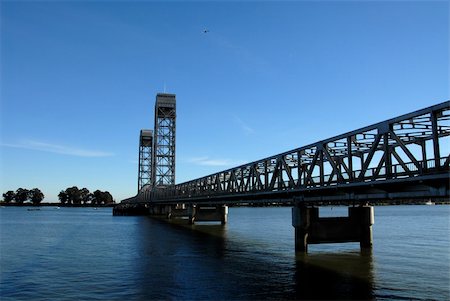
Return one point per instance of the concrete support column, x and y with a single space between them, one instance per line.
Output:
167 211
191 214
203 213
310 228
223 214
363 218
161 210
302 218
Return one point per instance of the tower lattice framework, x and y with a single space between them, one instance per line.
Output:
145 175
164 140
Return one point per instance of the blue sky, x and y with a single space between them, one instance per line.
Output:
79 79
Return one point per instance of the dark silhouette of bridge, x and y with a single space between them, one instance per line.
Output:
403 158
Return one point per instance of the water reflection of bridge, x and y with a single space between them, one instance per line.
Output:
402 158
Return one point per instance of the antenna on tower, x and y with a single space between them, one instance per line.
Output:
164 87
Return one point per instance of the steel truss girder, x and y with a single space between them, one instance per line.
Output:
386 151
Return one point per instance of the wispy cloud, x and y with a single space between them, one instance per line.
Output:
244 126
56 148
206 161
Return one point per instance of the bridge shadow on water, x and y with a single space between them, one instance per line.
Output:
201 262
335 276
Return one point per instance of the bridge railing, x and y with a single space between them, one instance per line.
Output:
398 170
410 145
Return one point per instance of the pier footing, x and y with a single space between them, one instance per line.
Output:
192 213
202 213
130 209
312 229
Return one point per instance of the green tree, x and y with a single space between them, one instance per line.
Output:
85 196
91 198
8 196
36 196
76 196
63 197
97 197
107 198
102 197
73 195
22 195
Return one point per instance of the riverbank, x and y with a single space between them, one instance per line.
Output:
258 204
54 205
348 203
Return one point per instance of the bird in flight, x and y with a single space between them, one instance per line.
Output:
205 30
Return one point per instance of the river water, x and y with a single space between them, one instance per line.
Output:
87 254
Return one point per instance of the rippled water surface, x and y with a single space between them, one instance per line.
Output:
86 254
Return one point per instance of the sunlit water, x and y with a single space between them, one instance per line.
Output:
86 254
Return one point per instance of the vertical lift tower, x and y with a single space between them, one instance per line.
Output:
145 175
164 141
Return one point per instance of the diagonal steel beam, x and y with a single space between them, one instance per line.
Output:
311 168
401 162
405 149
289 174
333 164
369 157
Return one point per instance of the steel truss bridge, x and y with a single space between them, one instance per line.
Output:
406 157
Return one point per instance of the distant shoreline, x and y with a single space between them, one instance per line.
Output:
231 205
53 205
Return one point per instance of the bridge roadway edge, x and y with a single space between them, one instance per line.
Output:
426 186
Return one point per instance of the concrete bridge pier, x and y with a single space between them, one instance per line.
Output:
203 213
160 210
312 229
179 211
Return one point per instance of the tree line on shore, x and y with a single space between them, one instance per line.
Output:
70 196
75 196
21 195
